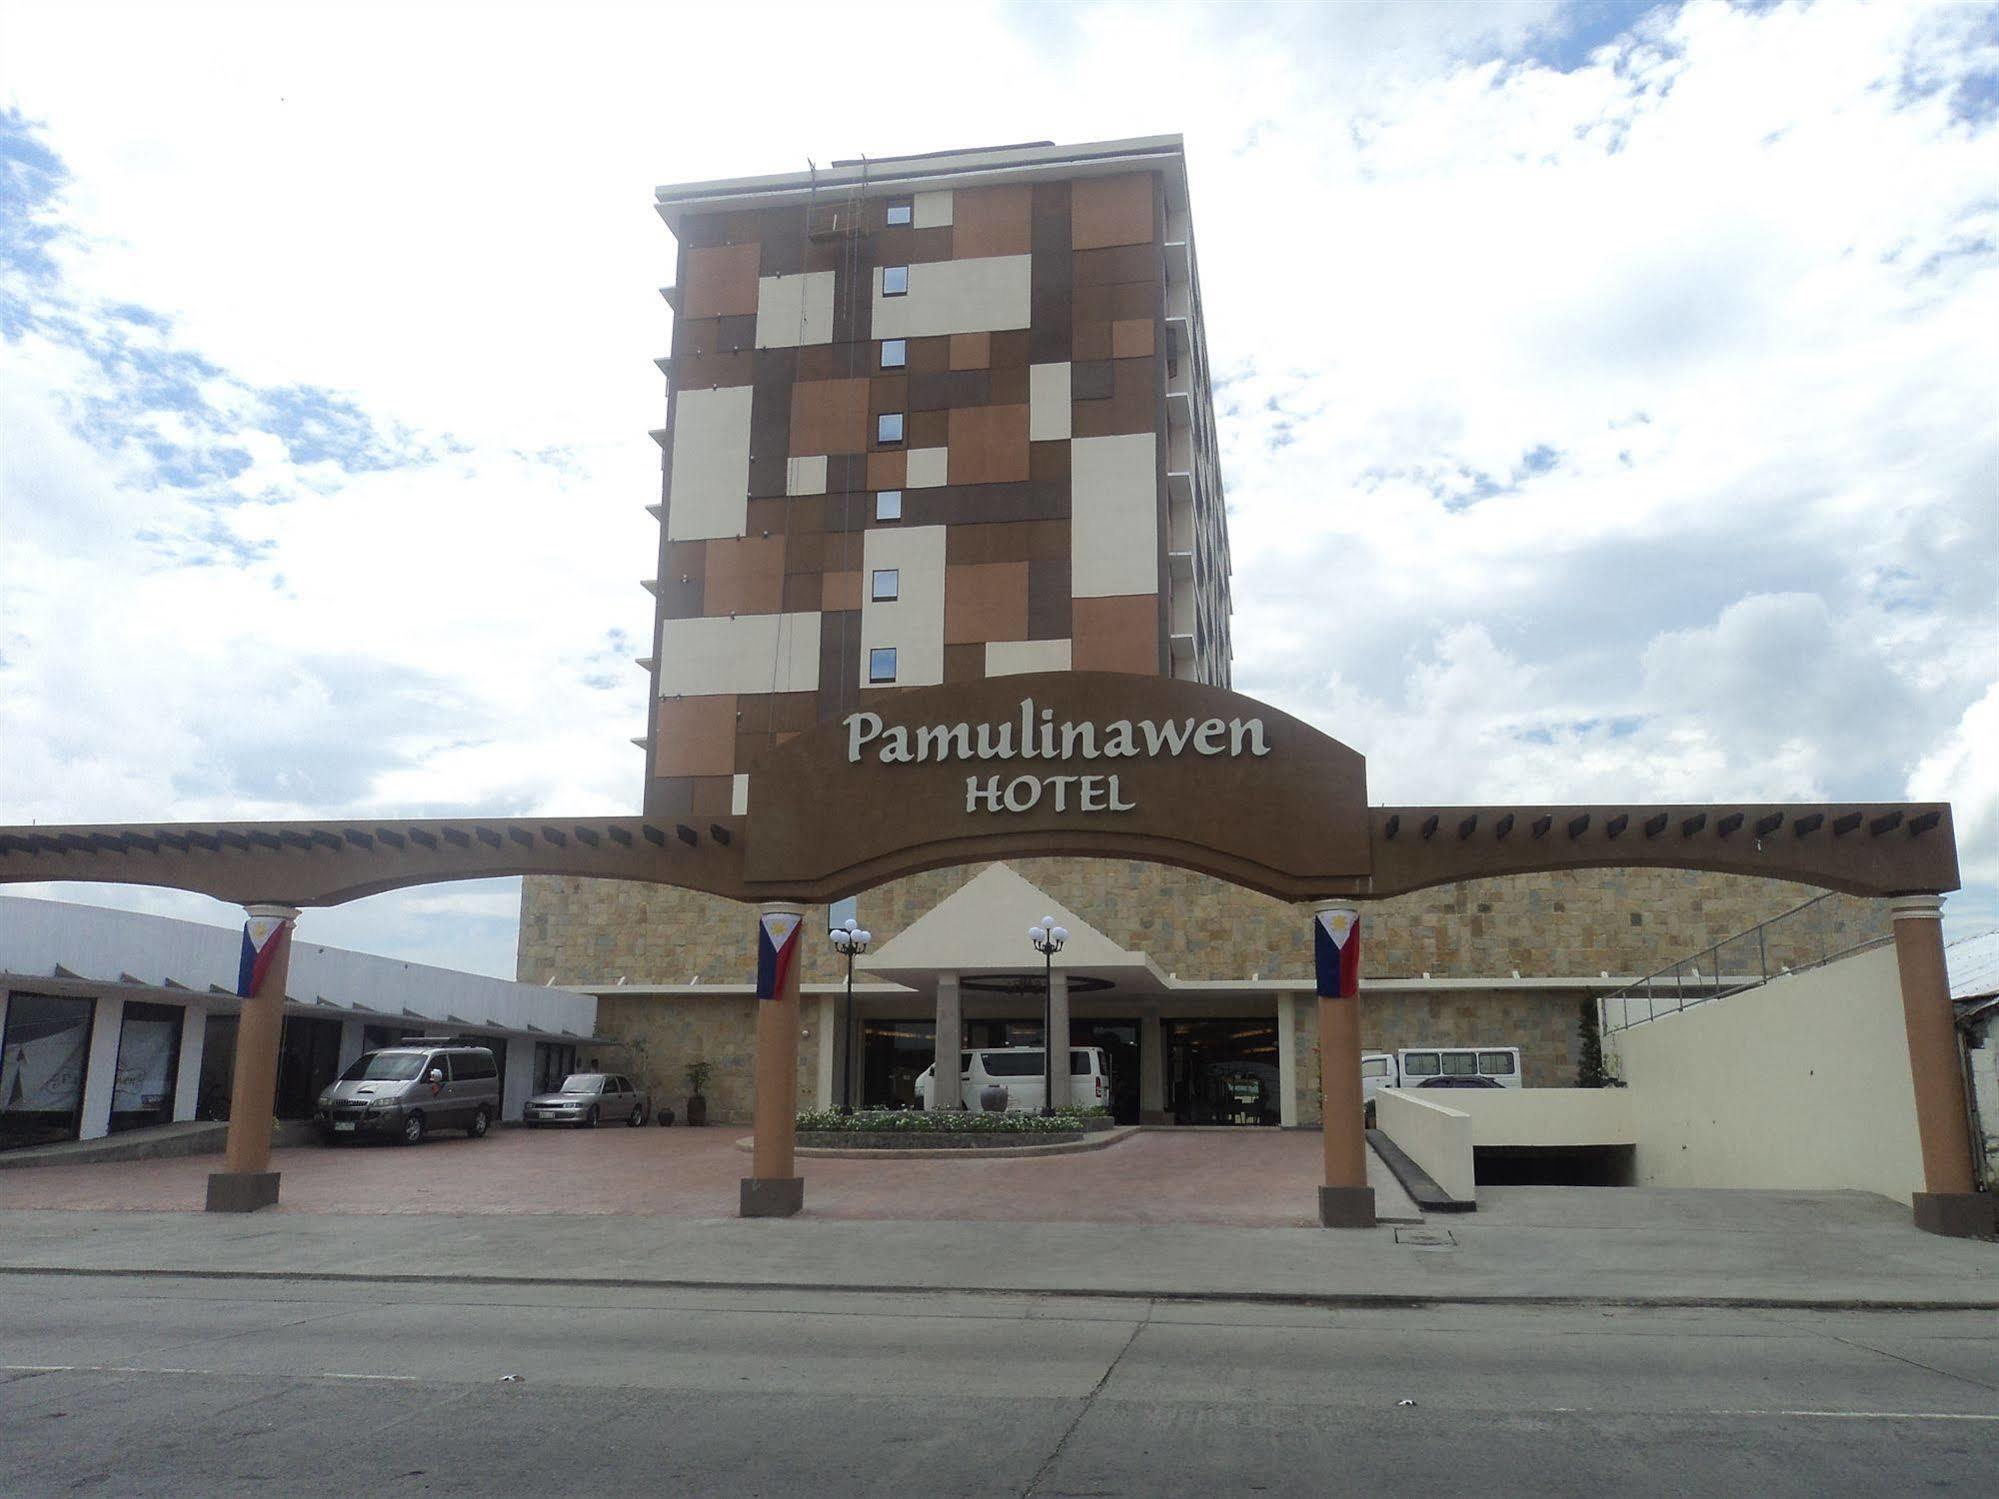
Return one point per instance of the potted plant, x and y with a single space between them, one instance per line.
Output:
697 1075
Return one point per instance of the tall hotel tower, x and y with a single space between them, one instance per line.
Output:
929 419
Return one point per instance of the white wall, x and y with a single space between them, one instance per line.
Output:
714 654
1437 1138
102 1077
1048 408
187 1080
1803 1083
1114 516
956 296
710 491
914 622
1545 1116
1010 658
795 310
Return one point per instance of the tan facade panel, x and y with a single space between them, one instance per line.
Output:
985 601
805 476
744 575
933 210
697 736
988 445
840 590
1117 634
1131 338
710 477
1114 514
956 296
992 221
1106 211
829 416
721 282
1008 658
794 310
750 653
928 467
1048 396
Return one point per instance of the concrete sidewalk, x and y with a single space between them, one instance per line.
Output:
1525 1245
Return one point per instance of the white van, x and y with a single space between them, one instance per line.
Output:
1019 1070
1456 1067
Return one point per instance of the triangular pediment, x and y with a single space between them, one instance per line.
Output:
982 928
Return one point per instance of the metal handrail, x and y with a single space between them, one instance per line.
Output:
1727 967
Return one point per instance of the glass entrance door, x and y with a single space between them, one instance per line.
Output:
893 1053
1222 1071
43 1056
148 1066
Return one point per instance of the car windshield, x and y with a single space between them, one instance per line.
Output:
582 1082
384 1066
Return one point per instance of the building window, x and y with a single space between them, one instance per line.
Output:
881 664
888 585
900 211
895 280
888 505
888 427
895 353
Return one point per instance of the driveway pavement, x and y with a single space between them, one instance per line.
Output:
1260 1178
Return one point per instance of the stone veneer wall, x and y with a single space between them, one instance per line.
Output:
657 1036
1571 924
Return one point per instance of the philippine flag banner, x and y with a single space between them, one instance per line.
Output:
777 950
265 939
1336 953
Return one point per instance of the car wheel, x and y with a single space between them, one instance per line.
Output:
590 1119
638 1115
413 1129
481 1122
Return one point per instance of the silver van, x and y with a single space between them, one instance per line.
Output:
409 1090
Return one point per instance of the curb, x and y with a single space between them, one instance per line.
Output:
1418 1183
1093 1140
1393 1300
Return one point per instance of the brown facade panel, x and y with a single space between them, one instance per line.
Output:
735 334
1092 380
888 393
1090 341
682 580
770 425
712 797
846 472
941 392
697 736
928 245
1107 211
929 429
839 660
1010 541
1132 338
694 337
928 356
669 796
841 590
971 351
801 593
888 469
988 445
704 371
1009 386
1137 299
985 601
1133 405
829 416
1010 348
1049 461
781 233
1128 263
1049 615
992 221
721 282
964 663
744 576
1050 334
1116 634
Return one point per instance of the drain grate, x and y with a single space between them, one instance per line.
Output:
1426 1238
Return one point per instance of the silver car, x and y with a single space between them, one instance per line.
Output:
587 1099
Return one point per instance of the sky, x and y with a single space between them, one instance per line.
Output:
1608 392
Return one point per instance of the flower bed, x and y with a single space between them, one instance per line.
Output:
928 1124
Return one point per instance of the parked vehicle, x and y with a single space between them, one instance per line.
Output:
1020 1070
1499 1063
588 1099
1459 1082
407 1091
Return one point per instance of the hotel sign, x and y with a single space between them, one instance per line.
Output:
1068 763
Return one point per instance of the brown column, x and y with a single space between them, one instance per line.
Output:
1345 1200
246 1181
774 1190
1950 1202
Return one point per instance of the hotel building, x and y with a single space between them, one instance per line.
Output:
939 418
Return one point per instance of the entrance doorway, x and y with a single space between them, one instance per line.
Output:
1119 1041
1222 1071
308 1062
148 1066
43 1057
893 1053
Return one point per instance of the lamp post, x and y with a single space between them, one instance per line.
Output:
851 939
1048 938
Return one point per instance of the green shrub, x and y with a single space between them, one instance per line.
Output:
927 1122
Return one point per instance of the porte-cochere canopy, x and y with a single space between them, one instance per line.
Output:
1079 764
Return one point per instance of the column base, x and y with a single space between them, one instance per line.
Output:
1957 1215
1346 1207
771 1196
241 1191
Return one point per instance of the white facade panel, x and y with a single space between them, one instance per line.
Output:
1114 516
805 475
750 653
913 622
928 468
1011 658
932 210
710 489
795 310
956 296
1048 402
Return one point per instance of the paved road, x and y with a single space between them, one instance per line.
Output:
120 1385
